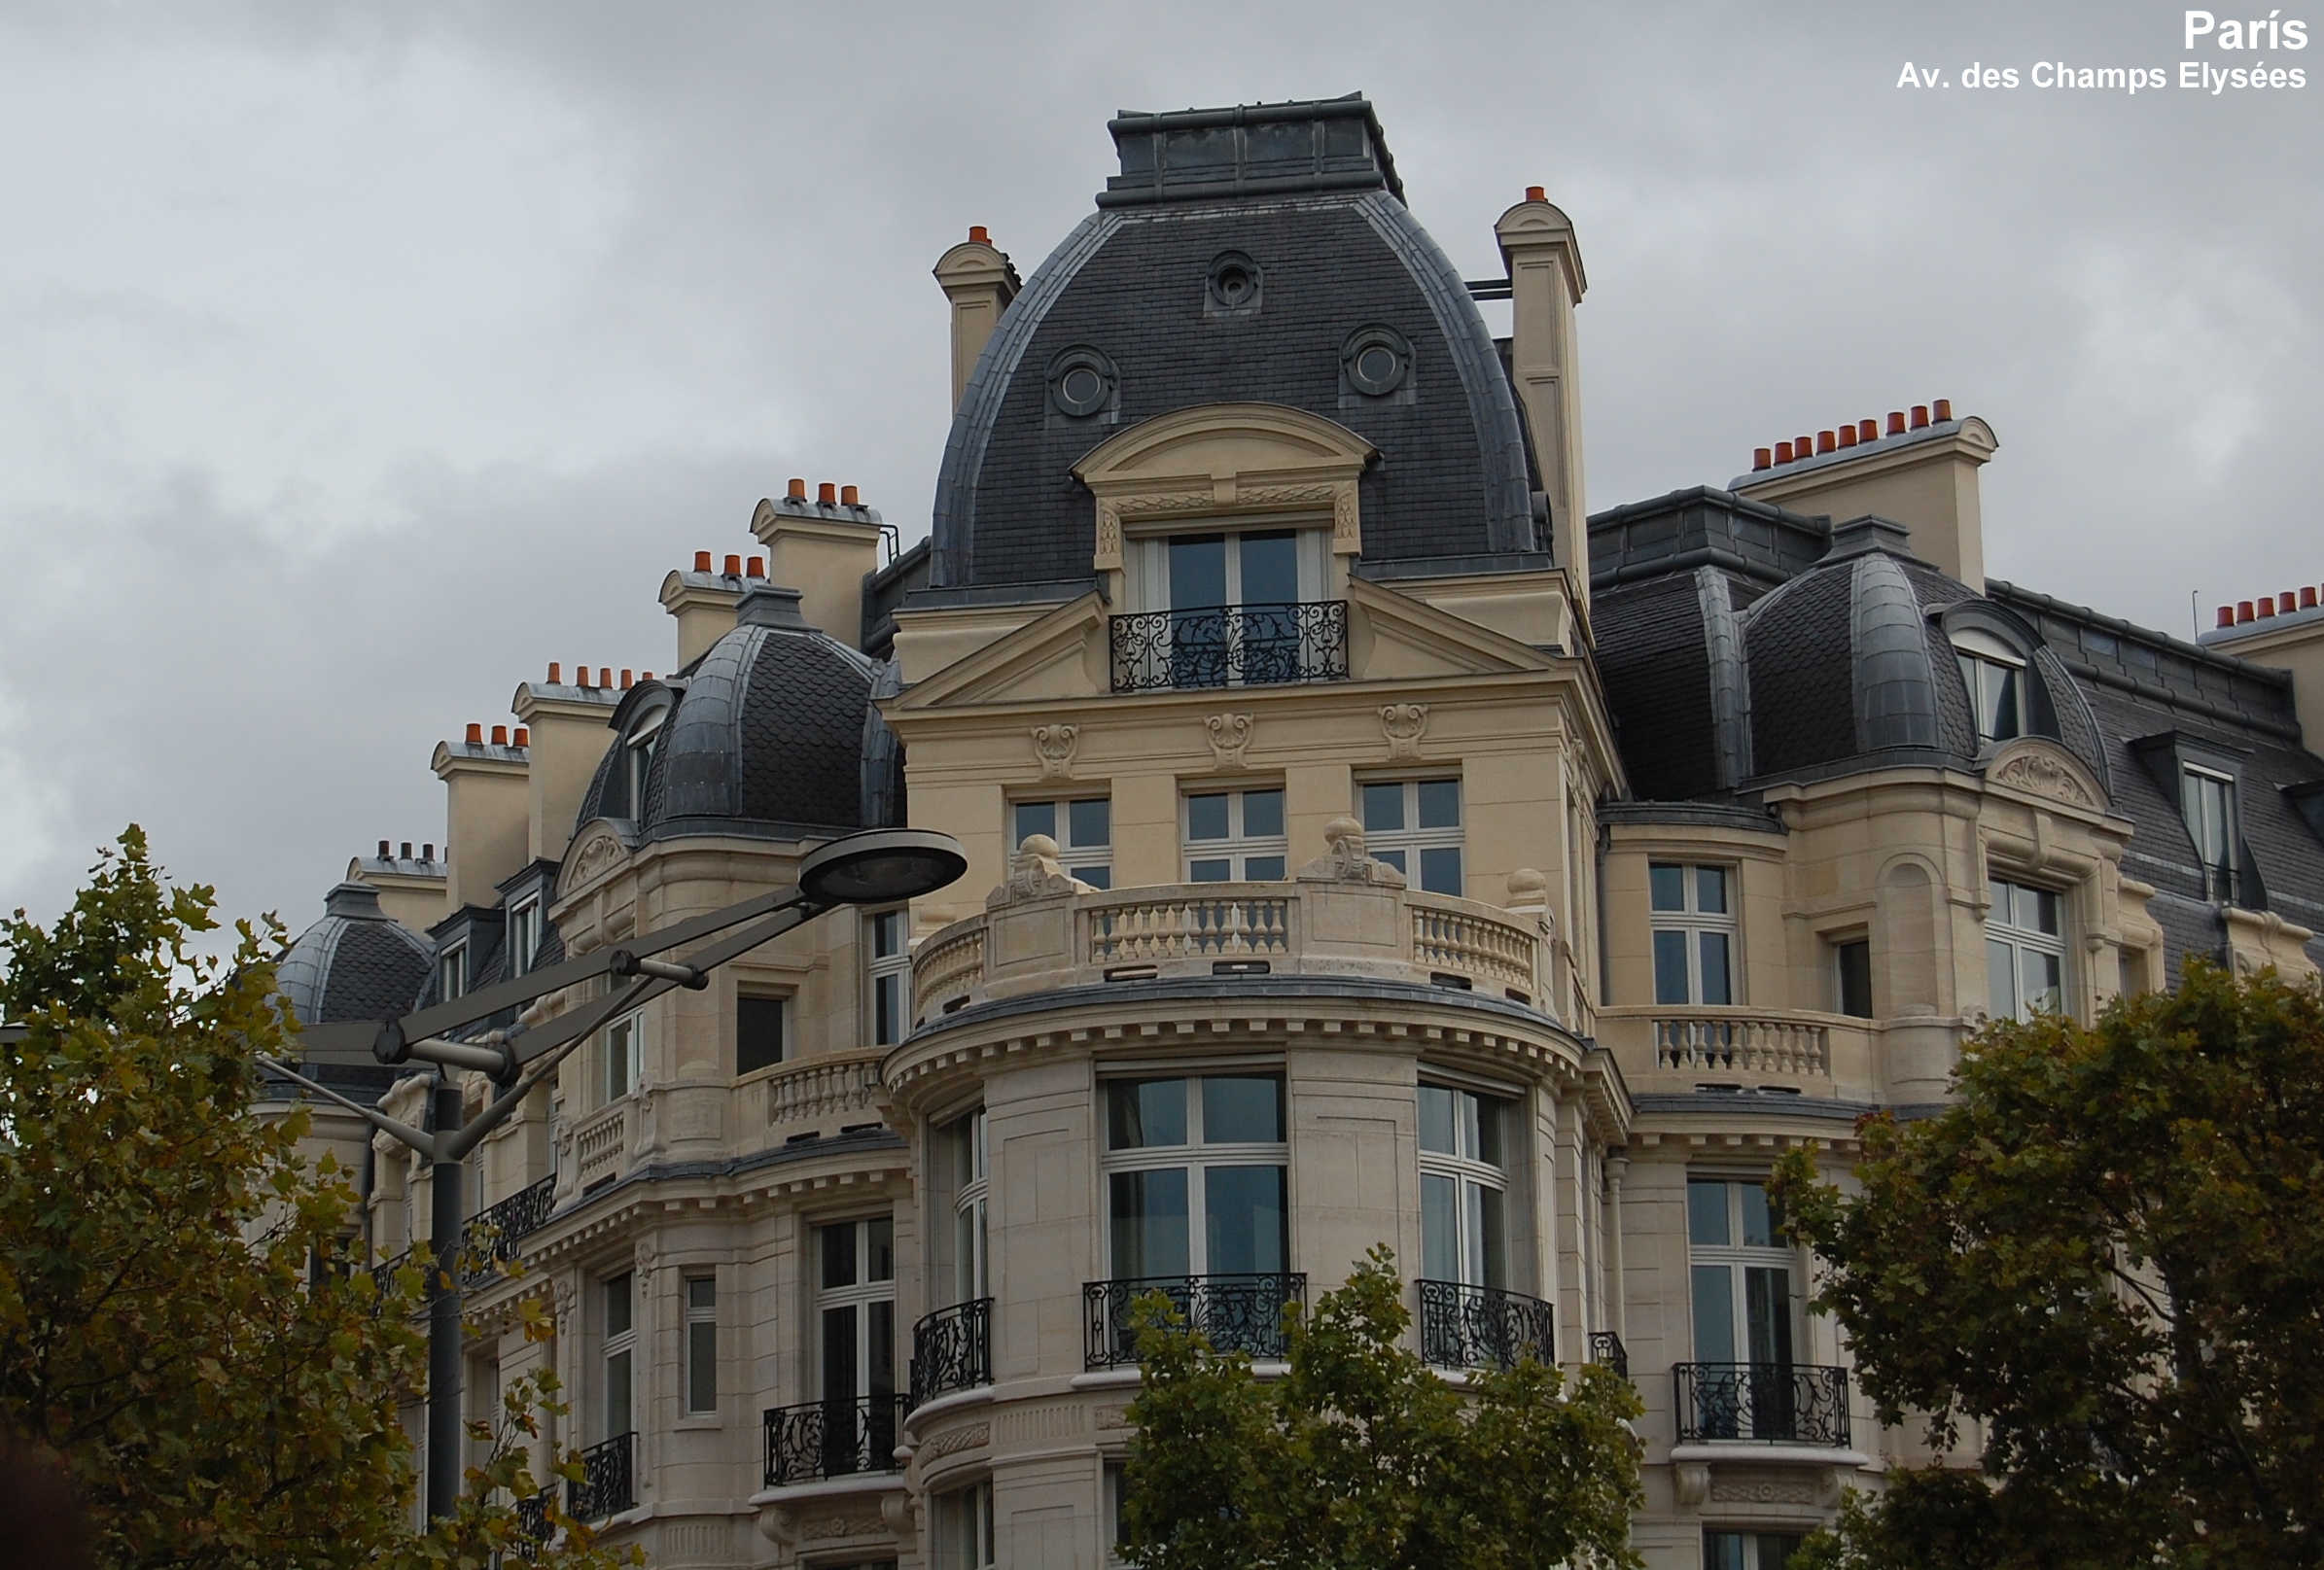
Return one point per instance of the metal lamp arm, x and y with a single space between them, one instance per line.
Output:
403 1133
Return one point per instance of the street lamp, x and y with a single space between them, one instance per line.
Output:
878 867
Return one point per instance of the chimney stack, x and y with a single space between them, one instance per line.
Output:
1546 283
1919 471
980 281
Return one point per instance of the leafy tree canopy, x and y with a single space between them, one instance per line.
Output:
218 1401
1363 1458
2105 1260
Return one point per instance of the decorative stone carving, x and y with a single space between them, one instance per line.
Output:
1113 1417
820 1528
1230 737
598 853
1402 725
2041 775
901 1513
1347 533
1036 875
1760 1492
965 1437
1278 496
1108 555
1346 860
1692 1479
1054 745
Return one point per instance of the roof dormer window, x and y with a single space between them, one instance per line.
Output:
2208 800
1995 676
637 760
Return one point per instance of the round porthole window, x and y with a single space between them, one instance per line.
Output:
1377 360
1081 381
1234 282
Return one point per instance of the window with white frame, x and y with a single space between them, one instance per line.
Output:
451 973
616 1389
1464 1178
1082 827
1414 825
1234 836
854 1263
961 1146
524 937
1694 932
2024 949
1195 1177
889 967
621 1057
964 1536
1728 1549
638 762
701 1344
2208 800
1741 1273
1117 1535
1995 676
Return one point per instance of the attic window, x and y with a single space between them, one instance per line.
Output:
2208 800
637 760
1375 361
1995 676
1081 382
1232 286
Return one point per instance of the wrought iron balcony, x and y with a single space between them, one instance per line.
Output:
832 1439
532 1516
1469 1327
492 1234
1772 1403
609 1482
952 1350
1231 646
1606 1347
1239 1313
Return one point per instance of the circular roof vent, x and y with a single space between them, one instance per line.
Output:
1081 381
1231 286
1377 360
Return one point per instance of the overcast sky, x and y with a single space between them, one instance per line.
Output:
357 361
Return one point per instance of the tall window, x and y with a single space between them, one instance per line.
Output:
1741 1273
1234 602
2024 949
701 1344
758 1032
1748 1550
964 1538
1851 977
524 936
1414 825
2208 801
622 1056
1694 933
1996 694
891 975
856 1312
960 1144
1235 836
1083 830
638 763
1465 1175
617 1410
451 973
1195 1177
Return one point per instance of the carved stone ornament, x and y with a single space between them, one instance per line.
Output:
2041 775
597 854
1346 531
1230 737
1692 1480
1108 554
965 1437
1054 745
1402 725
1346 860
818 1529
1036 875
1758 1492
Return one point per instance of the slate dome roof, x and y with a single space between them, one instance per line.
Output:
355 964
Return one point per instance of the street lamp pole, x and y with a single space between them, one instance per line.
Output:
877 867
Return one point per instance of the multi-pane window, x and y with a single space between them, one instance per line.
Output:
1464 1176
2208 801
617 1387
1851 977
621 1057
1235 836
1694 933
451 973
2024 949
1195 1177
891 975
964 1538
638 763
854 1263
1741 1273
758 1032
1748 1550
701 1344
1996 699
1414 825
1117 1534
960 1145
524 936
1083 830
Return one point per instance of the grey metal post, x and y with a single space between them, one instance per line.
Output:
445 1442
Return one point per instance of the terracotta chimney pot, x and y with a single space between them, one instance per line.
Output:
475 735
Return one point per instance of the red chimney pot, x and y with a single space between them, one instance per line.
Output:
2266 605
1762 458
1848 436
383 850
2307 596
755 567
735 567
799 490
978 234
1896 422
1943 410
605 676
475 735
1535 194
557 674
627 680
1782 452
850 497
2227 615
500 735
2283 604
826 494
701 561
1802 446
524 737
2243 610
1826 441
1868 430
408 851
1921 416
427 850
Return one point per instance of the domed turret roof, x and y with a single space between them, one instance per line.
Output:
355 964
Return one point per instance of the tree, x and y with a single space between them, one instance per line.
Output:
171 1325
1363 1458
2107 1251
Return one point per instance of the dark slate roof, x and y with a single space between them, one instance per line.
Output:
354 963
1703 526
1130 283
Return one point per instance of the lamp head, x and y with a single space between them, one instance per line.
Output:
881 866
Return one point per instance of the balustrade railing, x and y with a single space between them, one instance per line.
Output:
1778 1402
832 1439
599 1146
1239 1313
609 1482
822 1090
952 1350
1606 1347
493 1234
1478 946
1740 1044
1231 646
1466 1327
1189 927
947 967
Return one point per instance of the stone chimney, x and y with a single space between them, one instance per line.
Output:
1546 282
980 281
703 601
487 802
1919 471
2283 629
823 548
567 722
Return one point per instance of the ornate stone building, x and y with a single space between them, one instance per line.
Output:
1366 846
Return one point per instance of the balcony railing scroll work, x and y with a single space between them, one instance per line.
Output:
1768 1403
1230 646
494 1235
838 1438
609 1482
952 1350
1238 1313
1475 1327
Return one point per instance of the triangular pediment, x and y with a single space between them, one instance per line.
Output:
1394 637
1060 655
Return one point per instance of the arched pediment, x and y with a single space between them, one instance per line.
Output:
599 847
2041 767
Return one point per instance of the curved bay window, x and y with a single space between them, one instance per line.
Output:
951 1345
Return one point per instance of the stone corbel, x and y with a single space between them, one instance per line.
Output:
1692 1479
1054 745
779 1524
1404 723
901 1513
1230 737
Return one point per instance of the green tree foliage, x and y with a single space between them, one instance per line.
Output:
1363 1458
219 1400
2108 1252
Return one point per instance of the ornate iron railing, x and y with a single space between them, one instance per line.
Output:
1231 646
492 1234
1239 1313
383 1274
532 1516
1778 1402
952 1350
1606 1347
832 1439
609 1482
1468 1327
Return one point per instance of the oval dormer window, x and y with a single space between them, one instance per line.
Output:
1081 382
1376 360
1232 284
